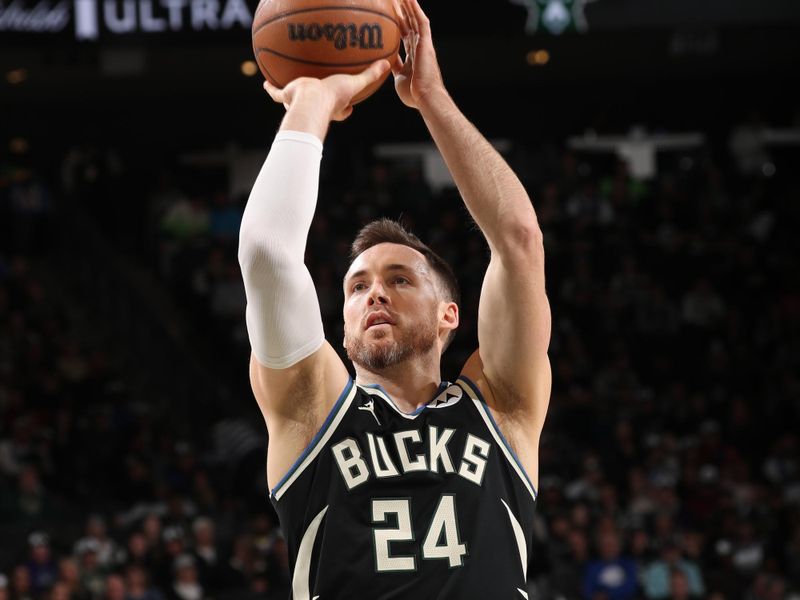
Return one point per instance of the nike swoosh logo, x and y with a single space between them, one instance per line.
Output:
524 594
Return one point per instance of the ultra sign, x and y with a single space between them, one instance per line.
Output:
95 18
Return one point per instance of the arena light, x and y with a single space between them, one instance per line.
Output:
538 58
16 76
249 68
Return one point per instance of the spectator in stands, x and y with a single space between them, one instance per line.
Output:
204 493
206 552
152 530
658 577
107 547
139 587
93 575
748 550
611 575
29 501
186 583
4 587
641 550
138 552
174 545
767 586
240 566
568 571
278 572
115 588
69 578
21 584
41 566
679 588
61 591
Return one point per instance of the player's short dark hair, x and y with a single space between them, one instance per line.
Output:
383 231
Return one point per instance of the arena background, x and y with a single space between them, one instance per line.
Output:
131 449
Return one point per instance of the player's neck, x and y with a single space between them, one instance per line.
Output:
411 383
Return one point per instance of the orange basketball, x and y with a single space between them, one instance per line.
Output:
317 38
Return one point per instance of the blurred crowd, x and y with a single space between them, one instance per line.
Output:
670 459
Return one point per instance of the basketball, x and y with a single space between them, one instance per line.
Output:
318 38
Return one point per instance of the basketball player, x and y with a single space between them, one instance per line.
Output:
397 485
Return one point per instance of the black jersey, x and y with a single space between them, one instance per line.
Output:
385 505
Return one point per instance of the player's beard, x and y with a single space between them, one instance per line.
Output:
416 340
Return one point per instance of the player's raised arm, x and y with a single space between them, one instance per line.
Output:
514 313
296 375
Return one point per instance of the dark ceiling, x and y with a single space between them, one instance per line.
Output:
675 66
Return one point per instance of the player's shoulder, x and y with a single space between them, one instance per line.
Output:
472 374
526 404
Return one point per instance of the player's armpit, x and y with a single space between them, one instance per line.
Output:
288 393
504 399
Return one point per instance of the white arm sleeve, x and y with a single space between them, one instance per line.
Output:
284 322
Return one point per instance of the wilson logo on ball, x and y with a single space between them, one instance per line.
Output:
366 37
320 38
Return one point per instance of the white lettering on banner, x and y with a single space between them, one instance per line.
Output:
40 18
149 22
86 19
236 11
175 8
151 16
204 13
124 24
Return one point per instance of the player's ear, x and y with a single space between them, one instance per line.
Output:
448 315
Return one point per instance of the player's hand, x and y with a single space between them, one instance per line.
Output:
418 75
332 95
